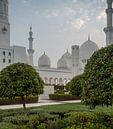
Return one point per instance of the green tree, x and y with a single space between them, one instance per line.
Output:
98 86
75 85
20 80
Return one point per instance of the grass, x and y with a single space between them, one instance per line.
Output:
62 108
72 107
69 107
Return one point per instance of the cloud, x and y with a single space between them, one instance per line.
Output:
65 11
78 23
101 16
74 1
25 1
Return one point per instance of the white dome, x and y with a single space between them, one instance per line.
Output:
62 64
87 49
65 61
44 61
67 55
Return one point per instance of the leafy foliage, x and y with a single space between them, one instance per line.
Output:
20 80
59 89
46 117
98 87
63 97
72 120
75 85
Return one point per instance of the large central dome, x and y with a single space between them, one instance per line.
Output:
87 49
44 61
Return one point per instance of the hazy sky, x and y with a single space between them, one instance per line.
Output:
57 24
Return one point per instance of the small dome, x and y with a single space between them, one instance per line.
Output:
65 62
87 49
44 61
62 64
67 55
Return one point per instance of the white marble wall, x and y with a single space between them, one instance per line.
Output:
6 57
47 90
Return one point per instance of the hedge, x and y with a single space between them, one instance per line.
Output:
63 97
33 119
7 101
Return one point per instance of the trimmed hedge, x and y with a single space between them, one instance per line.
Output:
63 97
7 101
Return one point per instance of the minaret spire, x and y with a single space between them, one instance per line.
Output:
109 29
30 50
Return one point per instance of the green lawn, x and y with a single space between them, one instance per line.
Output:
63 108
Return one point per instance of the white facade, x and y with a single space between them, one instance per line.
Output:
19 54
68 66
54 76
6 57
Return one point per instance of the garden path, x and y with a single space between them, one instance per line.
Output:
39 103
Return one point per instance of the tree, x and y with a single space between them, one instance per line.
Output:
20 80
98 86
75 85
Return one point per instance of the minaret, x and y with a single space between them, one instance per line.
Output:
30 50
75 60
4 25
109 29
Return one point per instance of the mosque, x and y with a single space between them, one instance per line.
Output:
68 66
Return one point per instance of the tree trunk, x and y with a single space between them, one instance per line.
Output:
23 102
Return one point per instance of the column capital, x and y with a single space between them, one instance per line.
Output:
108 29
109 1
109 10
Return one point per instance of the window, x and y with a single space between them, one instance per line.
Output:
4 53
77 48
84 61
9 53
3 60
9 60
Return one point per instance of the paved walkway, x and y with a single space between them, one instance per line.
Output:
40 103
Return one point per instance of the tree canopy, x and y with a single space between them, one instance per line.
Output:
75 85
20 80
98 86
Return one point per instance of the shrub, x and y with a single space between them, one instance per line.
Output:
20 80
59 89
17 120
63 97
75 85
17 100
4 125
42 126
98 73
